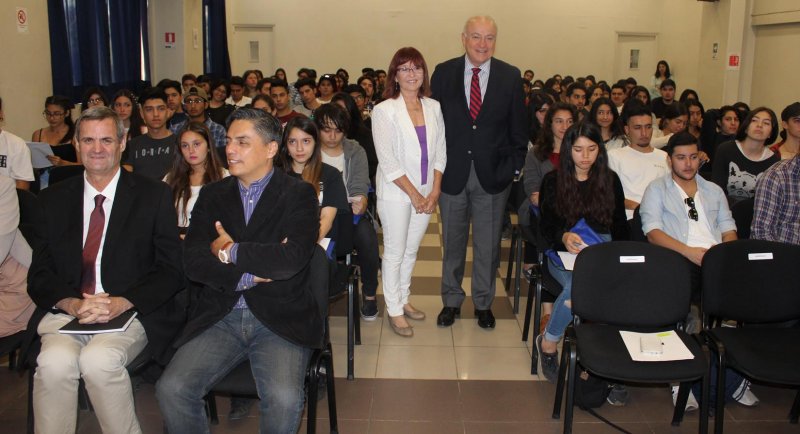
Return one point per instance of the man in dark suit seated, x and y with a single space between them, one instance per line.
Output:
110 245
249 246
486 127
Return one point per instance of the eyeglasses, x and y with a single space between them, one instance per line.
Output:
95 101
692 209
414 69
48 114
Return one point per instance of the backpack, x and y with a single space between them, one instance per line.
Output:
590 391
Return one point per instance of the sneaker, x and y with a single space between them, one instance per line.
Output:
618 396
240 407
743 395
691 403
528 274
369 309
549 361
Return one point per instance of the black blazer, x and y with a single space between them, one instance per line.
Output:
141 255
288 209
497 141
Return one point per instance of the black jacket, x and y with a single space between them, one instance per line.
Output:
496 141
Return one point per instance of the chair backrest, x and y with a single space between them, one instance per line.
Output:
342 232
743 216
752 281
628 283
635 225
319 279
533 233
31 215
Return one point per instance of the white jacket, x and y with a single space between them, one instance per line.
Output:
398 147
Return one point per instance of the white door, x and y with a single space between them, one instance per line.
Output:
252 48
636 57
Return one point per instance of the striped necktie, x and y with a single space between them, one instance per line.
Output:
475 94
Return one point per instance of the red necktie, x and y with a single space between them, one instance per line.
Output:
96 222
475 94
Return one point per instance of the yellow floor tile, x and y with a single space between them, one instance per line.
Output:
431 240
505 334
485 363
370 330
417 362
365 360
428 269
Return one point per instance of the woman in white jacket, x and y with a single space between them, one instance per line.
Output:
408 130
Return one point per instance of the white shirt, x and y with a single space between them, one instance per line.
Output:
700 234
184 219
242 102
15 158
89 192
636 170
337 162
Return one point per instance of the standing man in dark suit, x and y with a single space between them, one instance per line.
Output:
110 245
249 247
485 124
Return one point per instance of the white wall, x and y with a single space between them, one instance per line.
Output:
777 58
25 77
575 37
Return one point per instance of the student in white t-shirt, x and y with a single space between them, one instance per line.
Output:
15 157
685 213
638 163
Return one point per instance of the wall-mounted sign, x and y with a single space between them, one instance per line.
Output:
169 40
22 20
733 61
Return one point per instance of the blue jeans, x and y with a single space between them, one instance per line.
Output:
278 366
562 314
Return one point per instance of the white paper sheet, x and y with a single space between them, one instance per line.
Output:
568 259
674 348
39 153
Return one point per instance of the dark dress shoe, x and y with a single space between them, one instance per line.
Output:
447 316
485 318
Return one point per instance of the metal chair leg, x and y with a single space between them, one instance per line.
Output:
311 401
569 407
211 406
518 271
526 326
511 251
328 360
350 329
561 376
680 403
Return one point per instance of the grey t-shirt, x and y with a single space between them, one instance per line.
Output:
151 157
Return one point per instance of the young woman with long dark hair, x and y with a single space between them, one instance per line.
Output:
583 187
604 114
300 156
125 106
662 73
195 165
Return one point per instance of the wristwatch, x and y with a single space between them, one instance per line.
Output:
223 255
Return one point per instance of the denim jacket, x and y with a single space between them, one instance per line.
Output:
662 207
